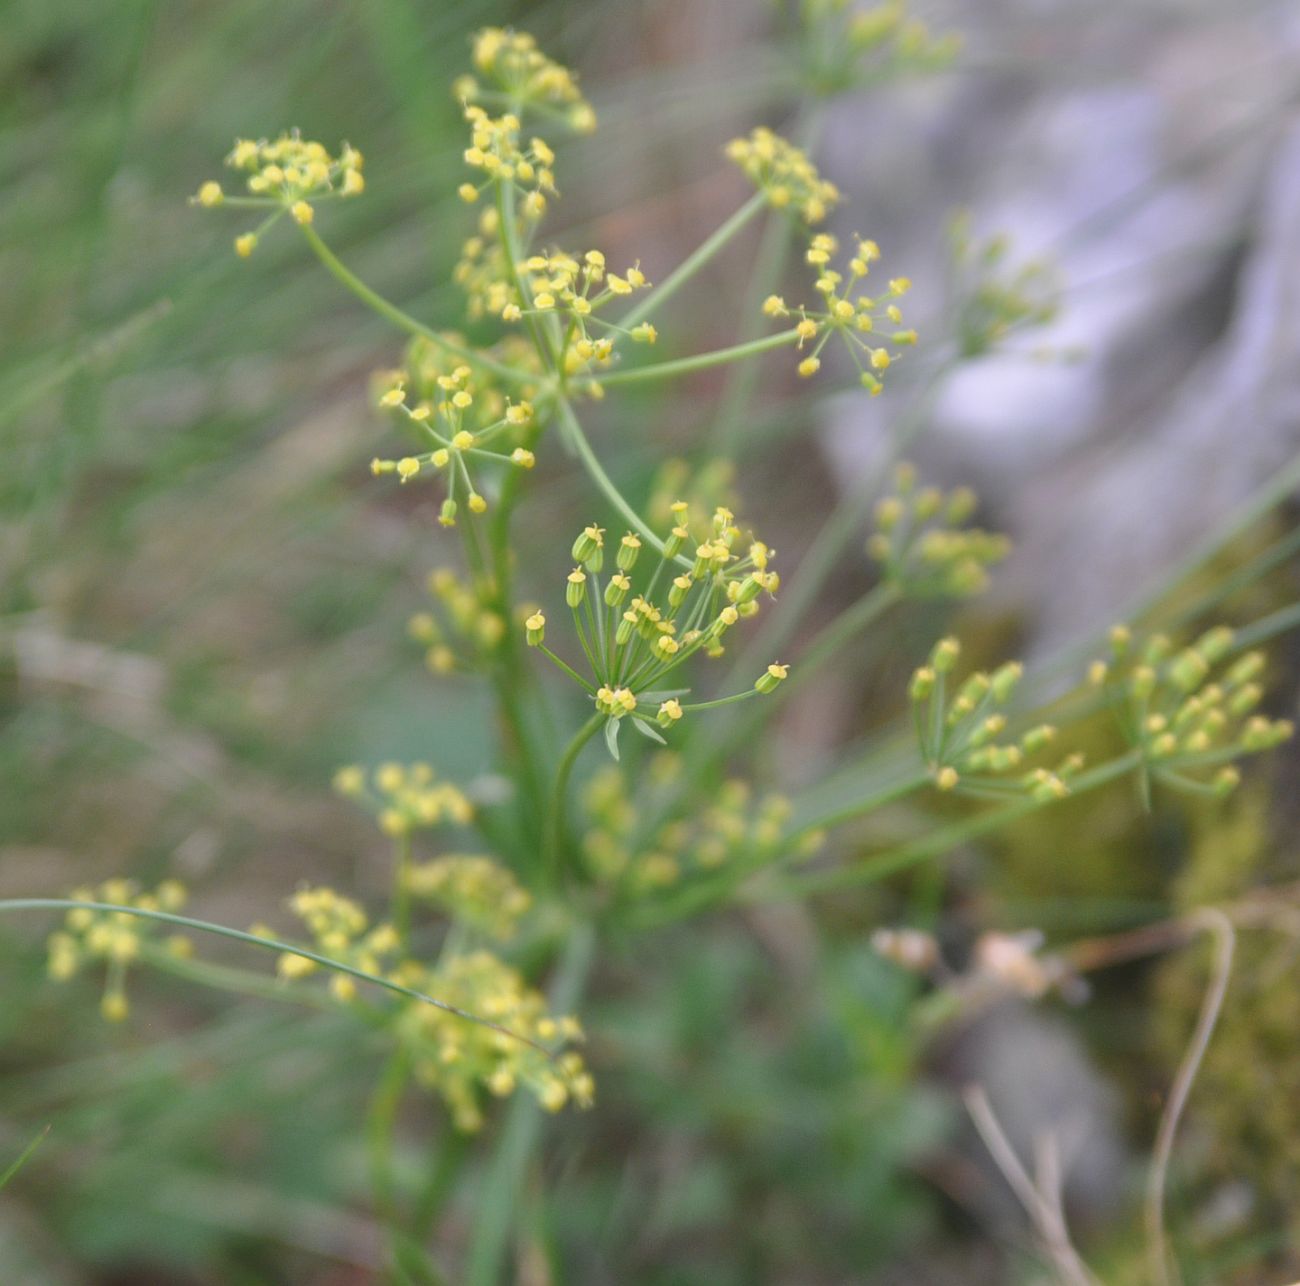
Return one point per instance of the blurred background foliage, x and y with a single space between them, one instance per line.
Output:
204 600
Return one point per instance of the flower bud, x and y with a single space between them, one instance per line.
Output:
676 539
944 656
629 549
576 590
771 677
588 544
616 590
535 626
669 713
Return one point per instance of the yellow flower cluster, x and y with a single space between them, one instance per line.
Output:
519 74
340 930
554 284
738 829
405 797
784 174
288 173
454 1058
457 436
851 46
922 545
450 1055
473 890
858 321
112 936
633 640
993 299
463 630
957 731
496 150
1183 718
557 283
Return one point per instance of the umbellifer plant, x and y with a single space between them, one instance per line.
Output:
450 968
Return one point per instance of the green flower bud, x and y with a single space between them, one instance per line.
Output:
629 549
677 592
944 656
616 590
588 543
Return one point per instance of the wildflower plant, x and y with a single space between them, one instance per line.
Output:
453 969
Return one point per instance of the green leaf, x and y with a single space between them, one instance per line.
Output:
646 730
611 736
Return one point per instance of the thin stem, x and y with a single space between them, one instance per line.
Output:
566 667
723 701
1215 922
437 1186
555 826
402 888
699 361
831 541
267 944
499 1196
860 808
381 1126
346 277
726 430
853 620
689 266
1047 1218
243 981
578 440
769 264
943 840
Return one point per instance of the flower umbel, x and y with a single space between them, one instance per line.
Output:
518 73
1188 712
865 324
784 174
958 732
634 638
285 175
112 936
923 546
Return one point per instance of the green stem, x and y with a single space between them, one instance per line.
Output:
698 362
437 1186
402 889
723 701
830 543
578 440
850 622
242 981
860 808
555 827
381 1127
944 840
738 393
566 667
345 277
693 263
498 1205
267 944
769 264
